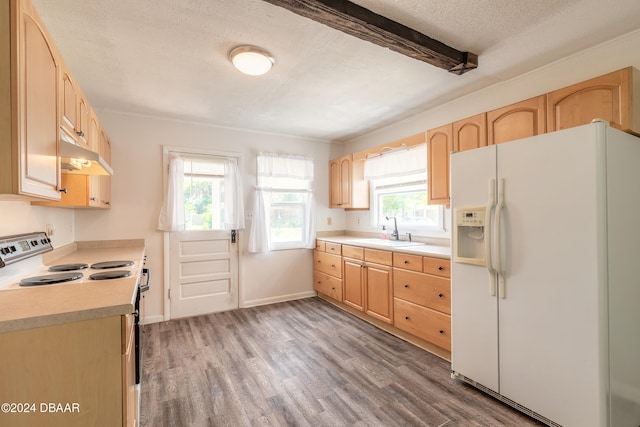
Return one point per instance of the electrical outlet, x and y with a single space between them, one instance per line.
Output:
49 230
248 215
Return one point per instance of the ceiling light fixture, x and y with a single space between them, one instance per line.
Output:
251 60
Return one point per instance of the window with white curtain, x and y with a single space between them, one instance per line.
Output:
204 192
283 217
399 189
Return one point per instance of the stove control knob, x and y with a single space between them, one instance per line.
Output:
4 251
34 243
12 249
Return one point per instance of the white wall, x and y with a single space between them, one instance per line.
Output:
20 217
613 55
137 194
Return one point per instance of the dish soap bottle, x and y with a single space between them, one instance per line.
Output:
385 236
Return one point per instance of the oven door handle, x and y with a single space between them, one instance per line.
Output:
147 273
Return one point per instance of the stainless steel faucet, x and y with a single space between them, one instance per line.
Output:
395 234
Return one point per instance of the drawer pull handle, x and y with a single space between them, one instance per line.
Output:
406 261
406 317
440 268
406 285
441 331
440 295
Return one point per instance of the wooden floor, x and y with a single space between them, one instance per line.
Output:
301 363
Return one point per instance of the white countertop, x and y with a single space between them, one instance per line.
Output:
415 248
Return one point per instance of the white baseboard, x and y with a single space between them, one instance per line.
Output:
279 298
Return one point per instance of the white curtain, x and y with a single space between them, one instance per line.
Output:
172 212
259 235
233 196
397 163
280 172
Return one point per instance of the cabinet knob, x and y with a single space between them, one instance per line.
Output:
63 190
93 199
406 285
441 331
333 266
440 295
80 133
440 268
333 289
406 317
406 261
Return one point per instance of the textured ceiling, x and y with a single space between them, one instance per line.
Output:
168 58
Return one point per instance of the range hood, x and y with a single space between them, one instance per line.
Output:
79 160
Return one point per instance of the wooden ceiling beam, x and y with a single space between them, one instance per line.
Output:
357 21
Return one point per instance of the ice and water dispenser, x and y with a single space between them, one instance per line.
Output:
469 235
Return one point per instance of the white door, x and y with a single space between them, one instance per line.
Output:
204 272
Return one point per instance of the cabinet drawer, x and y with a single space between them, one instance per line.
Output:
424 323
377 256
327 285
327 263
423 289
437 266
333 248
320 245
406 261
353 252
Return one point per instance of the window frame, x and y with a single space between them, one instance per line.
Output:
412 184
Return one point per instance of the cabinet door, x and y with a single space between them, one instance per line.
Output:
335 198
83 121
608 97
470 133
345 182
68 115
439 144
517 121
38 101
379 292
353 283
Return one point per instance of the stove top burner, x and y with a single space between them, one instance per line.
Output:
111 264
111 274
50 279
68 267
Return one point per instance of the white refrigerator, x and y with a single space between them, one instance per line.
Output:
551 323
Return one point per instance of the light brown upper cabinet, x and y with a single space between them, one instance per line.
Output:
609 97
74 111
516 121
470 133
347 187
439 145
29 69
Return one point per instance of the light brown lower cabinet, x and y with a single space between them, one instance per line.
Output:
409 292
72 374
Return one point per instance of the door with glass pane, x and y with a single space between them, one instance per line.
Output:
204 257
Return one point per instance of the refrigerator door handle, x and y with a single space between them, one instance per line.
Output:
499 207
488 235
